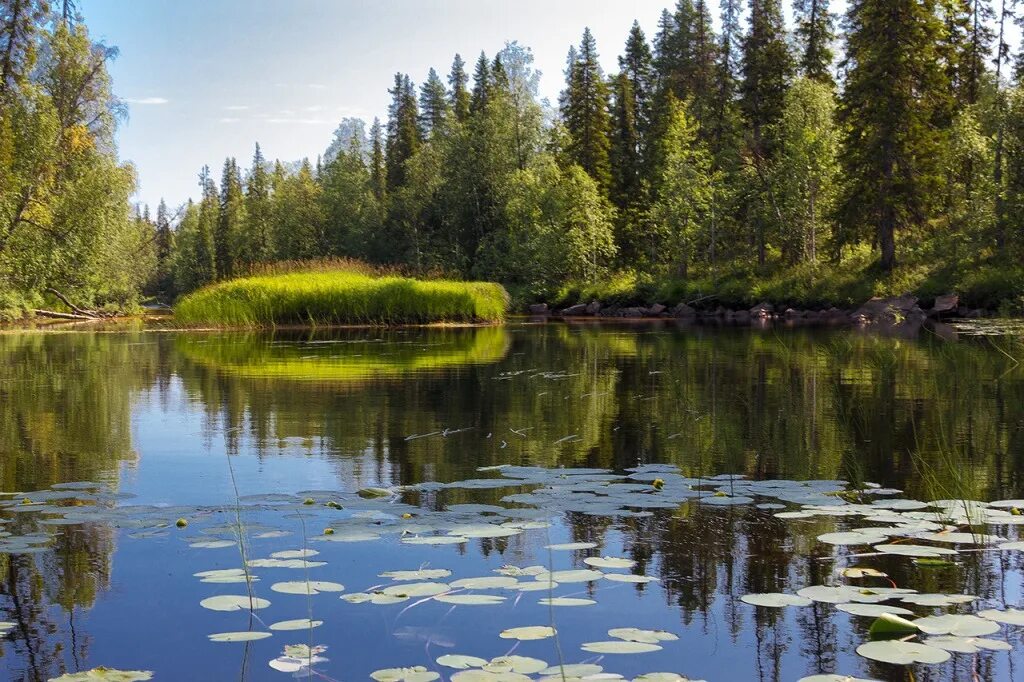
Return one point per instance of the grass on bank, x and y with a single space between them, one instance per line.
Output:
339 297
990 284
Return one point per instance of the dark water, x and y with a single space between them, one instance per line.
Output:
172 424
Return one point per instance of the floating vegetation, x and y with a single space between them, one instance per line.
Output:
248 636
102 674
529 632
232 602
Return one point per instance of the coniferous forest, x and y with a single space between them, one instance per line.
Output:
779 152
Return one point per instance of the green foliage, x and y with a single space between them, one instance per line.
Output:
585 110
340 297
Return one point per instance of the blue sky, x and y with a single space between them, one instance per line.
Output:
206 79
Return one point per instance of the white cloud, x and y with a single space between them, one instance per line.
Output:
300 121
318 86
147 100
315 107
228 119
236 107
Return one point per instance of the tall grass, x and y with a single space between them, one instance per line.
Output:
340 296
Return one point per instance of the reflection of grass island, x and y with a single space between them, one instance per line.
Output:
254 358
340 296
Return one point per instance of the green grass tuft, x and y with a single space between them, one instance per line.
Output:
339 297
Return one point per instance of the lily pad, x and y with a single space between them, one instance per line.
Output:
902 653
775 600
297 624
523 665
461 662
609 562
572 576
102 674
568 546
232 602
308 588
567 601
1007 617
874 610
959 625
414 674
248 636
469 599
486 583
529 632
638 635
422 574
629 578
619 647
967 645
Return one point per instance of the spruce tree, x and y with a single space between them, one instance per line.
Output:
205 248
894 86
378 170
585 112
481 84
434 105
403 135
259 236
631 118
767 72
815 32
459 93
229 221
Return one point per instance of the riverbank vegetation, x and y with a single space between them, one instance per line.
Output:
339 296
731 162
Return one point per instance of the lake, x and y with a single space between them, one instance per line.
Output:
692 467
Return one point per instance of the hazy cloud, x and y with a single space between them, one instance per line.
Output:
237 107
228 119
147 100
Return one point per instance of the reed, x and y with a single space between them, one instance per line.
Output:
340 297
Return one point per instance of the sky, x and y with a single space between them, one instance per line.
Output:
206 79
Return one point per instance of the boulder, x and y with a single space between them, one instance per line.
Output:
945 305
739 316
655 310
762 310
539 309
683 310
593 308
793 314
575 310
632 312
891 310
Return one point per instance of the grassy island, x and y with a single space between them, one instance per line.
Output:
340 297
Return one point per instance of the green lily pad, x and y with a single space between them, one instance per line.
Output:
959 625
416 589
1007 617
297 624
248 636
307 587
485 583
646 636
522 665
571 576
619 647
461 662
889 625
232 602
967 645
294 554
469 599
571 546
102 674
629 578
566 601
902 653
414 674
529 632
775 600
874 610
422 574
609 562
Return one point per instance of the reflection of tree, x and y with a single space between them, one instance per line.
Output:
65 415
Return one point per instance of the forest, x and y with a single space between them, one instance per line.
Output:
781 152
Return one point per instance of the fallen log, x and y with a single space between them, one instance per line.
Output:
65 316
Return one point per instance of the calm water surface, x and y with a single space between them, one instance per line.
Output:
173 424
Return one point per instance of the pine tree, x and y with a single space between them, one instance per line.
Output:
434 105
481 84
403 135
815 32
585 111
767 72
894 86
459 94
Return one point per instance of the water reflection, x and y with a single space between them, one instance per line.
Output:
346 409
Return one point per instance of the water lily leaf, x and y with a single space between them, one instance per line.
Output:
834 678
874 610
371 492
461 662
297 624
572 576
517 572
861 572
566 601
775 600
902 653
248 636
638 635
308 588
569 546
295 554
486 676
959 625
889 625
485 583
232 602
619 647
850 538
827 594
487 531
470 599
529 632
523 665
571 670
212 544
967 645
629 578
414 674
962 538
435 540
224 575
536 586
937 599
914 550
415 589
102 674
1008 617
422 574
284 563
609 562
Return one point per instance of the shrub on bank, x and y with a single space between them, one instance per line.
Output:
339 297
